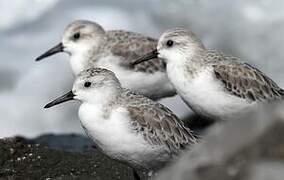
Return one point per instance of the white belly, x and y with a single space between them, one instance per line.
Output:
154 86
206 95
115 137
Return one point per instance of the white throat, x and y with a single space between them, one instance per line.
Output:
102 96
176 63
78 61
81 55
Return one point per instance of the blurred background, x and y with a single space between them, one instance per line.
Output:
250 29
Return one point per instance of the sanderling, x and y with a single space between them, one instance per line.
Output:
211 83
89 45
126 126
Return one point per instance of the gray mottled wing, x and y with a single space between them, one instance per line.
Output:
132 46
159 125
246 81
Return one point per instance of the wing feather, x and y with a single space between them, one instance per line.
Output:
159 125
246 81
131 46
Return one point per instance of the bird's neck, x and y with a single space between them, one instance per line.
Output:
105 96
79 62
83 57
188 64
101 104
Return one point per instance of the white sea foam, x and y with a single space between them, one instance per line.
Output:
17 12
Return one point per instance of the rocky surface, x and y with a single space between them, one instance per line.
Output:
66 156
24 159
250 148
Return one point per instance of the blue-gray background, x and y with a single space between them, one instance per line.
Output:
251 29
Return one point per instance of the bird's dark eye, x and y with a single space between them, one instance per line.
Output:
76 36
170 43
87 84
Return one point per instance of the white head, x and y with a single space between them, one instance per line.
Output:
80 36
94 85
174 46
178 43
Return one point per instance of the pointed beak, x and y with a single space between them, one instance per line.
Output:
56 49
66 97
146 57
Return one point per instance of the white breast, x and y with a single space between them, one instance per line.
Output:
205 94
154 85
116 138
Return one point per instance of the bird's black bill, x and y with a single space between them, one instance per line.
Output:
146 57
56 49
66 97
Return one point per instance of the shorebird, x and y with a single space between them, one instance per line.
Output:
124 125
213 84
89 45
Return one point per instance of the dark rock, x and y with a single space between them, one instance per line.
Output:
250 148
20 159
66 142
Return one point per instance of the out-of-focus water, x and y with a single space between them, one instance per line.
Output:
250 29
